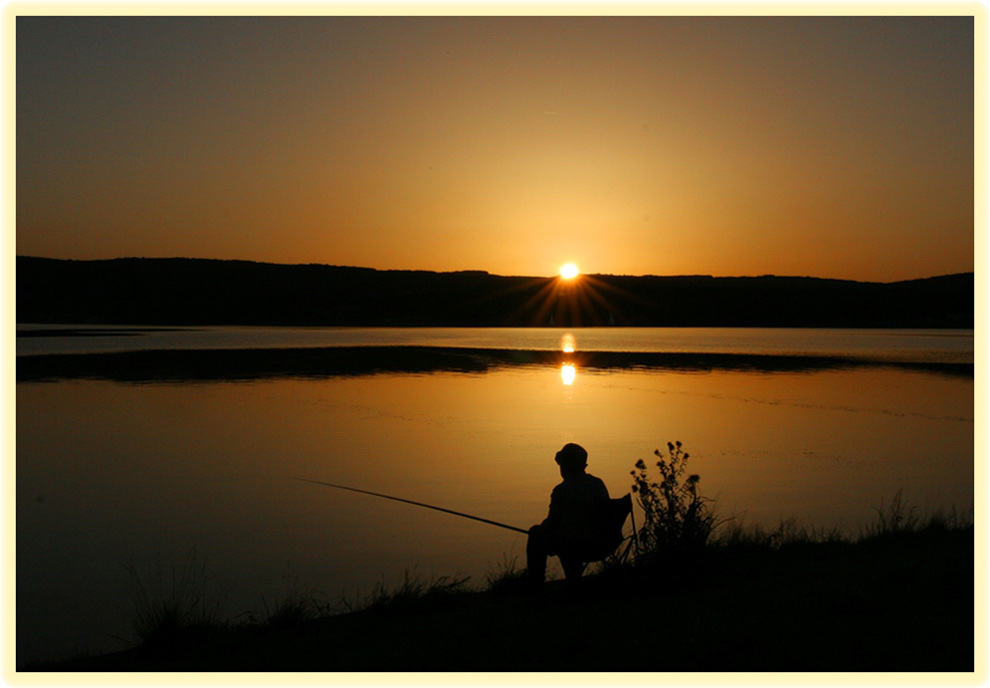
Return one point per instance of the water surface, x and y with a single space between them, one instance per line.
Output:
886 345
114 474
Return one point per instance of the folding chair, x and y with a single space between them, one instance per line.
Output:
618 510
615 545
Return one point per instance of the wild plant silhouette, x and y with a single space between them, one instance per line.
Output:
676 517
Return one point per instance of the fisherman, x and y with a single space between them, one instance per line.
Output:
577 527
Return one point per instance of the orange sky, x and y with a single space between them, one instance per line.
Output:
824 146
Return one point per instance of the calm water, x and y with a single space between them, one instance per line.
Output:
151 476
954 346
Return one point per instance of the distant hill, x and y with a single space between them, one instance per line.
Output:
182 291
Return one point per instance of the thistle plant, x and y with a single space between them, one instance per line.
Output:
676 517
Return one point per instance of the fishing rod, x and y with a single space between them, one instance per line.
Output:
409 501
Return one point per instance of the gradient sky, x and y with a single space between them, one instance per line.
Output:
823 146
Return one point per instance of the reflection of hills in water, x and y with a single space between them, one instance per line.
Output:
318 362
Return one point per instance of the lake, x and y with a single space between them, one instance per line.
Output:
154 477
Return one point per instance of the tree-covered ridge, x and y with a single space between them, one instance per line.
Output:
181 291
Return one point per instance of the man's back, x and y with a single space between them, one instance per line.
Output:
577 508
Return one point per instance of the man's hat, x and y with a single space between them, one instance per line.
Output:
572 456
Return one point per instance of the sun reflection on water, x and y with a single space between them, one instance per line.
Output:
567 373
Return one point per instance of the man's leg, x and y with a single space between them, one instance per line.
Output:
537 551
573 567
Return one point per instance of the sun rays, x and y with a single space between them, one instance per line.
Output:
579 301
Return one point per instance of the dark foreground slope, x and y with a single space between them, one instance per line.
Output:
903 601
213 292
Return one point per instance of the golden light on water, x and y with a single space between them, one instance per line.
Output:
567 373
569 271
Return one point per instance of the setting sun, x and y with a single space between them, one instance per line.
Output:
569 271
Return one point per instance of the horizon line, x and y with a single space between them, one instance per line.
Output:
491 274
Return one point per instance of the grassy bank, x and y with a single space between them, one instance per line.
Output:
898 598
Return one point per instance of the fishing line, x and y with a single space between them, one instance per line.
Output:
409 501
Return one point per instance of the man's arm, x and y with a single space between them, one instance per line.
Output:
553 513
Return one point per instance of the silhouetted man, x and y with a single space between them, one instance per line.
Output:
576 529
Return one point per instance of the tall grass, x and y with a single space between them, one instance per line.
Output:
414 590
897 517
736 533
506 576
174 601
293 608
